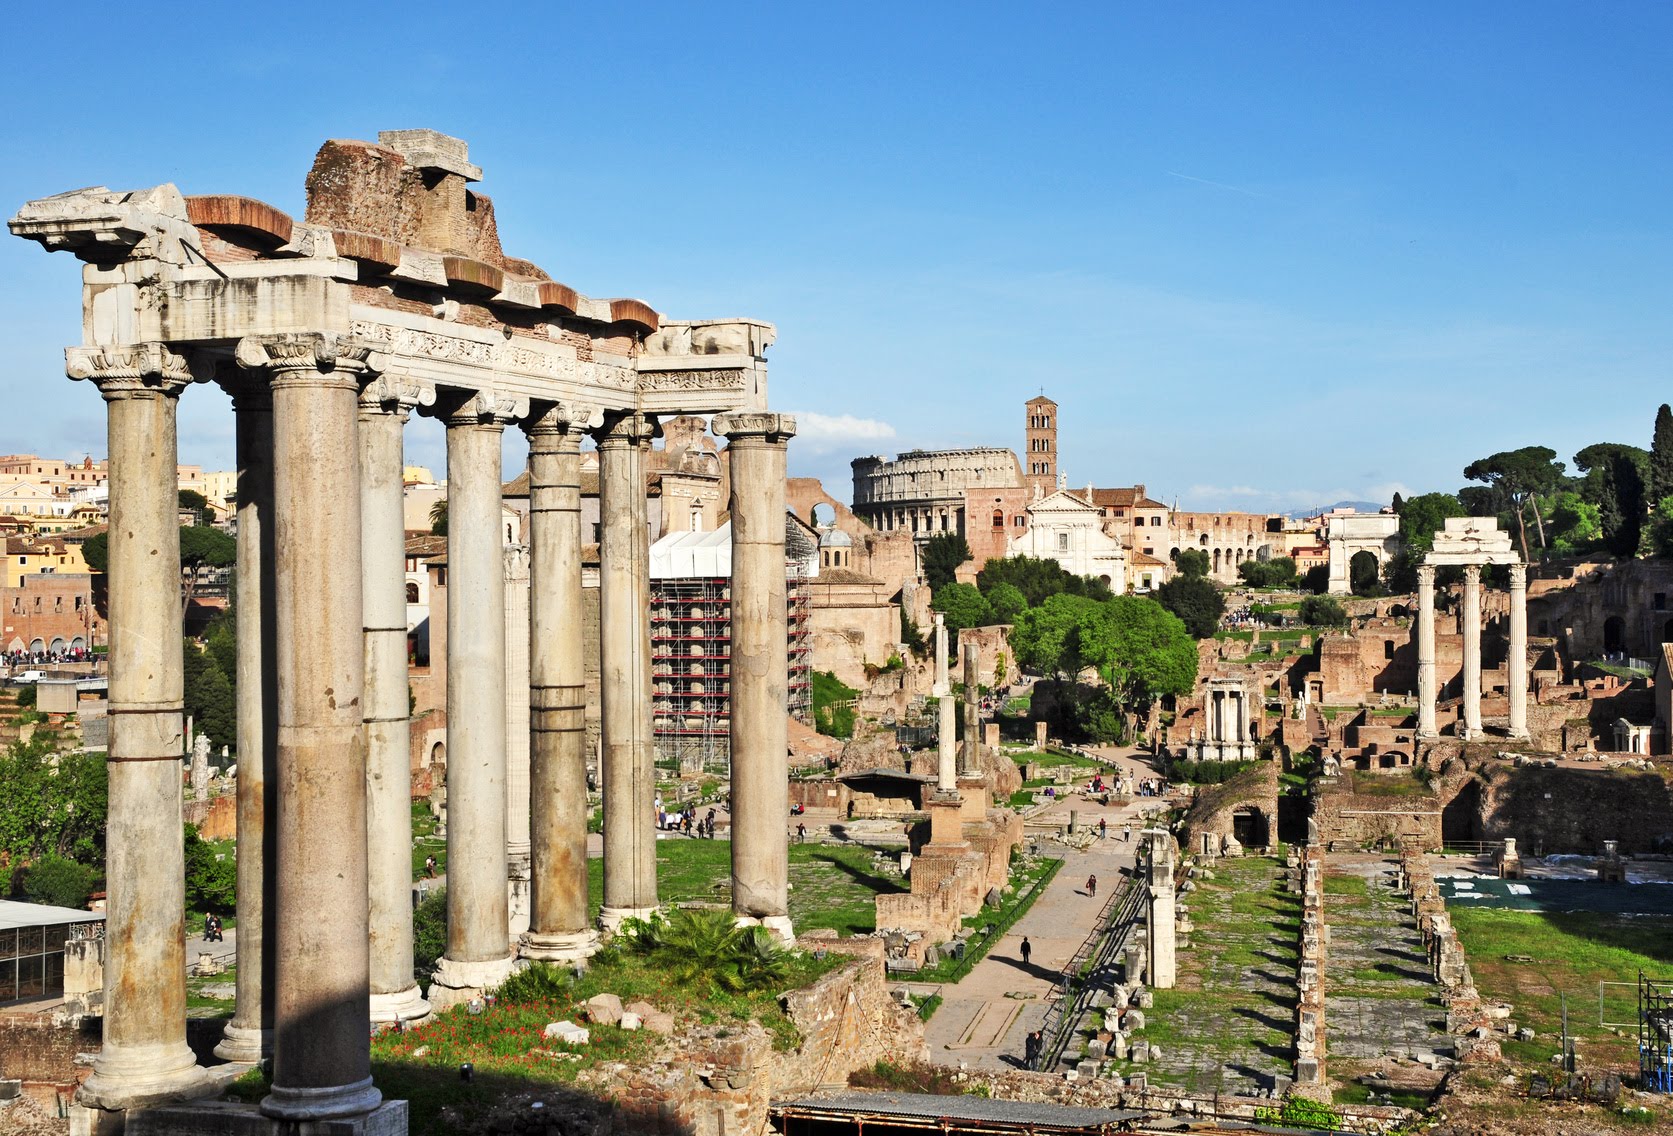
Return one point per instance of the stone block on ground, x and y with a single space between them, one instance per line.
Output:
630 1020
642 1008
567 1032
658 1022
605 1009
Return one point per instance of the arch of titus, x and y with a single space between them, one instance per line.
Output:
391 296
1470 543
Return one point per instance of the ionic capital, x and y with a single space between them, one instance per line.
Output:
310 358
626 428
557 421
395 394
774 429
135 369
1518 577
484 408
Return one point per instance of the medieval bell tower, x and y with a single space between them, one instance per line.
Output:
1040 460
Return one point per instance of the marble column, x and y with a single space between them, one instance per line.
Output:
755 447
248 1037
558 925
1426 651
1163 971
384 409
145 1059
970 757
1472 651
322 1017
478 956
1518 662
946 745
517 716
625 670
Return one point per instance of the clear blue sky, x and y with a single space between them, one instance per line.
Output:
1263 255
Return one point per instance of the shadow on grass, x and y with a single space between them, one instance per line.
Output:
882 885
1651 937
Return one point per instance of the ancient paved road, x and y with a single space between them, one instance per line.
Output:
979 1023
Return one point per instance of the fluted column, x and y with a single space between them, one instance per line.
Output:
145 1058
946 744
248 1037
384 408
1518 663
1426 651
558 925
755 445
625 670
970 758
321 1047
1472 651
478 956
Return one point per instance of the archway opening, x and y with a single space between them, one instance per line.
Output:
1614 635
438 754
1461 816
1363 572
821 514
1250 827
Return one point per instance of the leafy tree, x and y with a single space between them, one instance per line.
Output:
60 881
211 882
429 935
1661 529
1317 579
1421 517
1594 460
963 606
1660 480
1621 510
1007 602
1045 638
51 804
1139 649
911 635
1196 600
1323 611
1279 572
1191 562
1363 579
220 640
1521 475
1575 523
197 503
942 555
438 517
1038 578
209 696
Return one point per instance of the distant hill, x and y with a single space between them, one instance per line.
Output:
1361 506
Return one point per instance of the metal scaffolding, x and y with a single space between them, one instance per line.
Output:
1655 1035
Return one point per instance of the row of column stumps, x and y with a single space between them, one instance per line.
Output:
1470 725
325 944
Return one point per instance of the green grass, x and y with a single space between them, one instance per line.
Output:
1346 885
1573 952
425 842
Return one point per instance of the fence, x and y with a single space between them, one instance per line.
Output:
1089 969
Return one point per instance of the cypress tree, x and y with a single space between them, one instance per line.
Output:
1661 455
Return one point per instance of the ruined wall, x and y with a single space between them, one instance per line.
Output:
1370 810
1211 810
1568 809
1636 594
32 1048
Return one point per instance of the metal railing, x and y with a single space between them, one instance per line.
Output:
1090 969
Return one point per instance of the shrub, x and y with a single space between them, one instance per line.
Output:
211 879
704 947
537 982
59 881
1323 611
429 935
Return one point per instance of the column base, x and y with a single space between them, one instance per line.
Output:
779 925
559 946
234 1118
338 1102
458 982
1428 735
406 1007
138 1076
610 919
1518 734
244 1045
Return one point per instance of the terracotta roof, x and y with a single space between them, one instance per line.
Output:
1145 560
1128 498
425 544
518 487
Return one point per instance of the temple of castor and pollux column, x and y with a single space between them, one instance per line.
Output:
391 296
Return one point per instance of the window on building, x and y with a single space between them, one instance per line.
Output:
1661 601
1017 522
58 604
998 518
1063 542
1150 552
1156 522
1388 648
412 591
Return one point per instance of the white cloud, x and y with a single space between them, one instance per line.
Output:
826 432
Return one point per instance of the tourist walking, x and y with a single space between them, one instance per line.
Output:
1091 885
1103 828
430 867
1126 834
1032 1045
801 834
1027 950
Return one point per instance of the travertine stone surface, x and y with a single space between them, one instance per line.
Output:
756 444
1517 665
249 1035
970 754
1472 651
384 408
625 662
946 744
558 927
478 954
1426 651
145 1058
1163 972
321 1046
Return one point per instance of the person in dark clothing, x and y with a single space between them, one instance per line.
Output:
1027 950
1091 885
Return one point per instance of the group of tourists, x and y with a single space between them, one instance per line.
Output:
38 658
686 822
213 929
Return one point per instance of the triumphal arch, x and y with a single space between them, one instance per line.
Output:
391 296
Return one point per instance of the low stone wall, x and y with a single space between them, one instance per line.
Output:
1472 1022
1369 820
718 1080
1307 877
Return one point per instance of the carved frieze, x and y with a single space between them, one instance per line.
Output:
511 357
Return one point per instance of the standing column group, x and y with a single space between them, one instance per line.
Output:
1516 664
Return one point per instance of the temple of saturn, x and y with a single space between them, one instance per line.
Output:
391 296
1470 543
